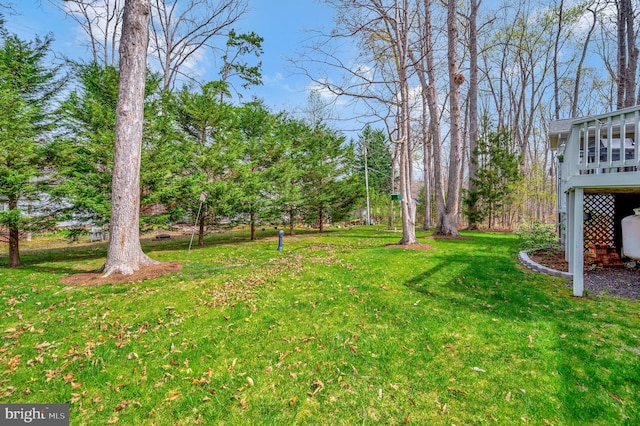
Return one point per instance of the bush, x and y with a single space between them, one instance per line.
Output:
537 236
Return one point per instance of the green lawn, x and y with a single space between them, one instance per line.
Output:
336 329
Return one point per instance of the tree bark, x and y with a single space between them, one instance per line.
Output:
627 57
401 25
426 166
447 220
252 224
576 86
473 106
125 254
292 228
434 118
201 222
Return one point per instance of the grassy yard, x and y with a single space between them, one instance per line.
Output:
336 329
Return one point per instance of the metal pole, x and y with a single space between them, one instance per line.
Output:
280 235
366 181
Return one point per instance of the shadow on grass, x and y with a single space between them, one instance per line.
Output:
591 370
36 259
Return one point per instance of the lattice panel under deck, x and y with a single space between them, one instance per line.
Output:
599 211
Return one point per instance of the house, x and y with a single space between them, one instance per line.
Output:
598 184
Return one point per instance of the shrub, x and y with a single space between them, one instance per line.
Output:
537 236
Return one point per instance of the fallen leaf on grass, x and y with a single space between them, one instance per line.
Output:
508 397
173 397
293 401
316 387
243 404
457 391
113 420
42 346
617 398
479 370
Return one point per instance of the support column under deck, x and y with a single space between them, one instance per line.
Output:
576 257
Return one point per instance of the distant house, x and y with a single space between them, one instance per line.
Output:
598 185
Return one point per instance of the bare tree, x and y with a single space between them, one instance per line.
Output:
473 104
579 69
125 253
101 20
432 143
447 214
178 32
379 78
627 54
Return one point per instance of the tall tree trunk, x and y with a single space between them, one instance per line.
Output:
576 86
623 10
14 237
447 220
125 254
252 224
632 56
426 169
473 106
429 88
393 188
556 50
321 219
292 228
201 222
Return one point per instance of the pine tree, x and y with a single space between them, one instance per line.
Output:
27 86
497 176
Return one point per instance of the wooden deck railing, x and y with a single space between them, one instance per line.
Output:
607 143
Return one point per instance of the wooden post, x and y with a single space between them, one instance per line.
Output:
577 241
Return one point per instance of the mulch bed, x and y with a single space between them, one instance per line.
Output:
94 278
613 281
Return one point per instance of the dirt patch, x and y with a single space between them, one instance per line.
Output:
417 246
551 258
88 279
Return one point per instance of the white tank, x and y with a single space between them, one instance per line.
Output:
631 235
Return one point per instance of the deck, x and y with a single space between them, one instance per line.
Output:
596 155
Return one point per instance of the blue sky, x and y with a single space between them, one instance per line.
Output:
282 23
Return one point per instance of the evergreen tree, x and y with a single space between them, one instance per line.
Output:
210 125
379 161
497 176
329 188
28 84
85 150
261 151
288 174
